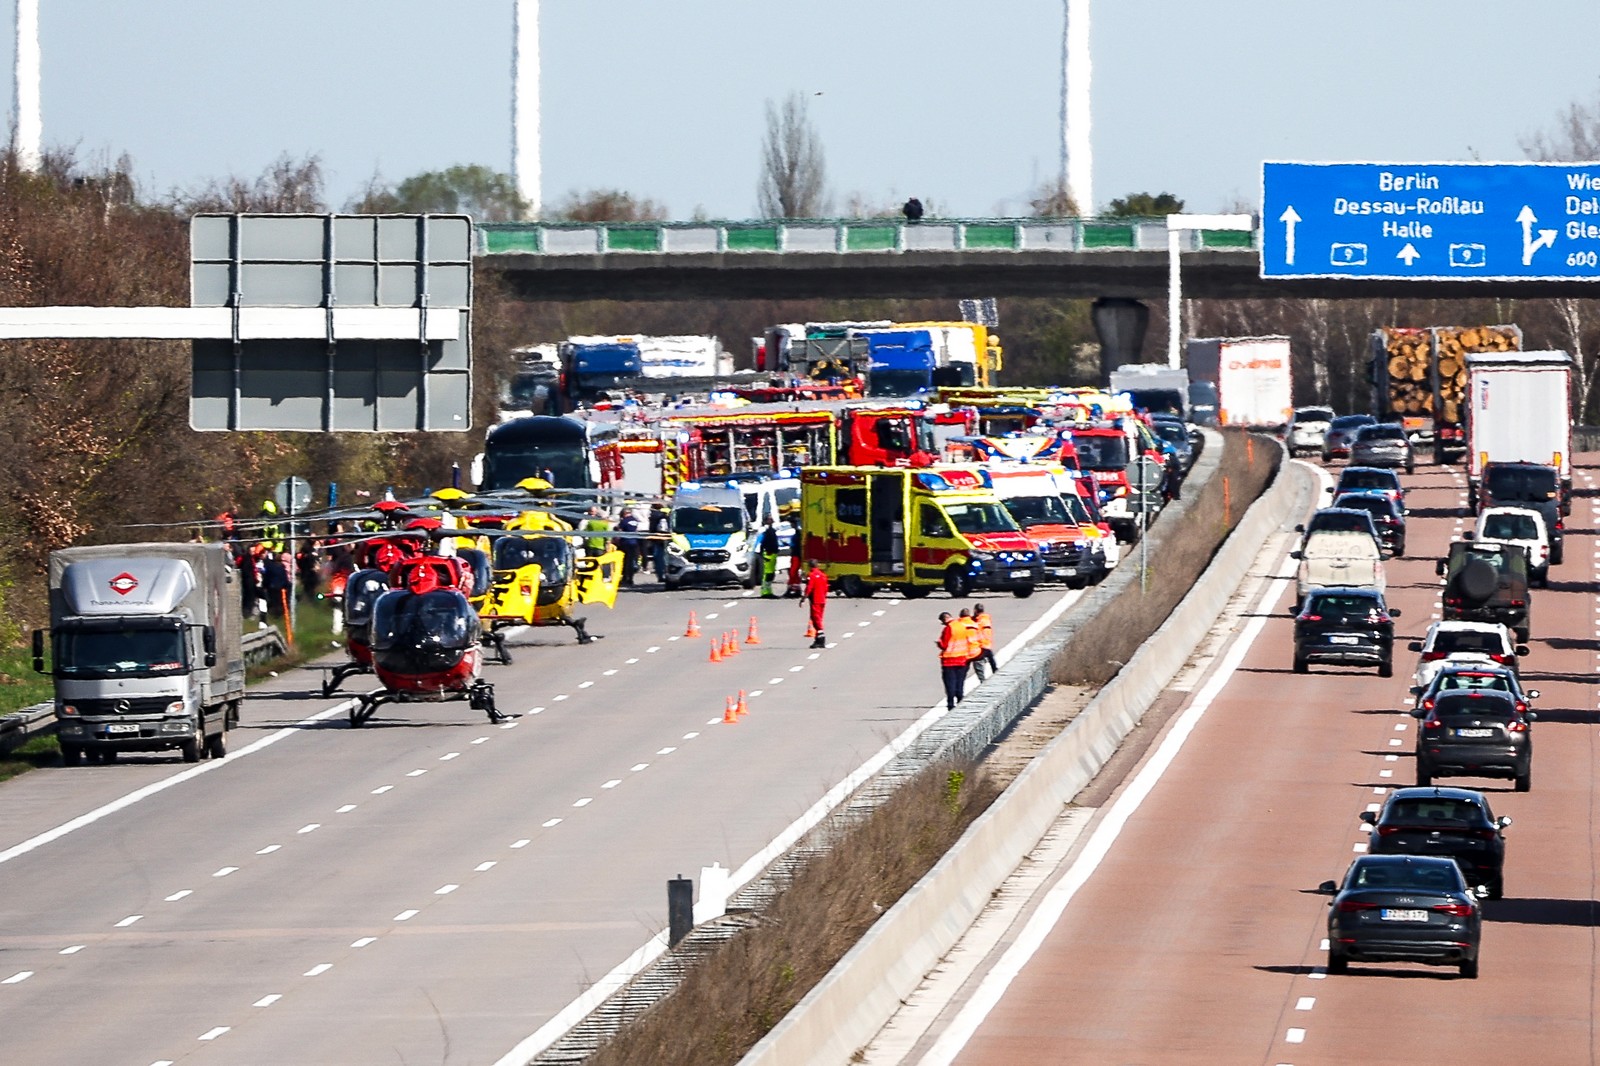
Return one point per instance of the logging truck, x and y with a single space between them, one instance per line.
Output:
1419 379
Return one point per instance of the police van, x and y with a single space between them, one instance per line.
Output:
716 527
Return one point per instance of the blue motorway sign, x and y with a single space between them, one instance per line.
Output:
1431 221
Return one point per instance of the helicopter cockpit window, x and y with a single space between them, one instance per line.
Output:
549 554
441 616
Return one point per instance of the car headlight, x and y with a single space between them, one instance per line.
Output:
175 707
674 549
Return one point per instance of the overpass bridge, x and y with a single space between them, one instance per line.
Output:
1084 258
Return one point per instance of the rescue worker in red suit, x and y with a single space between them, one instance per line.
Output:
955 653
816 593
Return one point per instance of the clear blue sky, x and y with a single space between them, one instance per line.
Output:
955 102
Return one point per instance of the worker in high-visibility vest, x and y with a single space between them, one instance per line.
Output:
983 653
954 655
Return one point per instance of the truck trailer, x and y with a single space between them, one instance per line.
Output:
1251 375
145 648
1518 410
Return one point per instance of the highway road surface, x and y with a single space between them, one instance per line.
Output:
1198 939
431 887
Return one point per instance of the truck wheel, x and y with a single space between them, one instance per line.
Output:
193 745
957 583
853 587
217 745
71 754
915 592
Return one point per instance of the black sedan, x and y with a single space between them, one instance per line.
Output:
1403 908
1479 733
1388 518
1346 627
1454 823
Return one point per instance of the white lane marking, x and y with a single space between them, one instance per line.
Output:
129 920
713 721
485 740
318 970
447 756
531 710
176 896
629 662
1317 975
1324 945
482 866
849 634
713 614
551 823
669 640
225 871
508 725
269 849
1385 773
877 614
774 680
524 842
1401 728
615 781
1363 828
756 693
814 655
1305 1003
1378 790
363 942
140 794
1391 758
586 684
730 603
666 751
607 673
415 773
796 669
267 1001
864 622
691 736
636 767
584 802
405 916
1295 1036
17 978
1358 847
649 651
656 946
346 809
1374 807
73 950
212 1034
993 986
311 827
381 789
559 698
445 890
1395 742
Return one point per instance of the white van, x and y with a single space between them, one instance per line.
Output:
716 528
1337 557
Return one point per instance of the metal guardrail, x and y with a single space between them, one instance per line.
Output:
18 728
845 236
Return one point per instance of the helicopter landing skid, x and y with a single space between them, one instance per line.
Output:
496 640
480 697
331 683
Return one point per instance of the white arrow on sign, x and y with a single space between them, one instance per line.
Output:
1409 253
1547 237
1288 218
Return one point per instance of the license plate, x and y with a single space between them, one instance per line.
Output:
1063 571
123 728
1391 914
1475 732
1344 640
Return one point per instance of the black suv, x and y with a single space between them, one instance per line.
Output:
1528 485
1454 823
1475 733
1346 627
1387 518
1487 581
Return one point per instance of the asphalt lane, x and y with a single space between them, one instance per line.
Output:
1199 939
432 887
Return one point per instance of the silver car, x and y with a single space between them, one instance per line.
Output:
1384 444
1341 431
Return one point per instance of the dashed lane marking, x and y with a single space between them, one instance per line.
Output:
692 735
630 662
447 756
586 684
550 823
176 896
73 950
636 767
666 751
482 866
381 789
524 842
225 871
1295 1036
346 809
269 849
267 1001
310 828
129 920
1305 1003
363 942
445 890
212 1034
614 782
318 970
17 978
584 802
405 916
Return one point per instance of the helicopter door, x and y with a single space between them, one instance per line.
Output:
595 578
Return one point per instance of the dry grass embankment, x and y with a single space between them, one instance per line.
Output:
743 989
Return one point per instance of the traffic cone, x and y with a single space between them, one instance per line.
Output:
730 643
740 706
716 652
730 713
754 637
694 627
811 633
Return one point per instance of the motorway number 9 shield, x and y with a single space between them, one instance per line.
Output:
1390 914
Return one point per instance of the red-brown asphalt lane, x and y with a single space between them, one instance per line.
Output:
1199 940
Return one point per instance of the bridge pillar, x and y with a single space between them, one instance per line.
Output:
1120 323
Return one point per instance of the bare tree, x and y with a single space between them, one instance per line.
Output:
1575 137
792 170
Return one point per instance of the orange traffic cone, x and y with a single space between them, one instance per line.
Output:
740 706
730 713
716 652
811 633
754 637
694 627
730 643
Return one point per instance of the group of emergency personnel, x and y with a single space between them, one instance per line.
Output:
966 642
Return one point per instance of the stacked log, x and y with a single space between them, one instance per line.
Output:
1453 343
1410 355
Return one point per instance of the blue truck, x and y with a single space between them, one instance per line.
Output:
591 372
900 363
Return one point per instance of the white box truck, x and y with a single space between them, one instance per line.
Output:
1153 387
145 649
1519 411
1252 377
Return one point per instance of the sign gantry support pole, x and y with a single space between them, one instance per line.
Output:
1177 225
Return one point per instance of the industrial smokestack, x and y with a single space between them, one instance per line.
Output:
26 125
1077 160
525 104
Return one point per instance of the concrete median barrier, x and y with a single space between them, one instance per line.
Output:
850 1005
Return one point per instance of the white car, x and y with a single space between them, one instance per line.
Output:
1464 643
1523 527
1308 429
